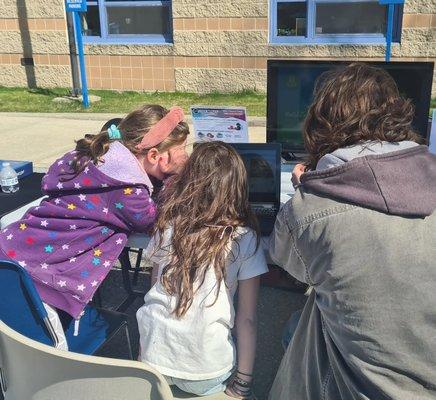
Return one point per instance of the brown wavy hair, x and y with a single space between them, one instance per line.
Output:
352 104
133 128
204 204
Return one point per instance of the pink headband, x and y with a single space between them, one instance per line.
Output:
162 129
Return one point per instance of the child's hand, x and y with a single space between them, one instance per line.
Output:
239 388
299 170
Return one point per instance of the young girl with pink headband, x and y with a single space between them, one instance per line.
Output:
97 195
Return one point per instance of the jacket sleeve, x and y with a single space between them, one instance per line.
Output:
135 208
283 247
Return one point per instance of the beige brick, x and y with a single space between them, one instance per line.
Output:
158 73
168 61
237 62
191 62
178 24
214 62
127 83
136 73
170 86
136 62
115 72
236 24
44 59
168 73
179 62
2 24
409 20
147 74
50 24
423 20
224 23
213 24
249 62
189 24
116 84
105 61
262 23
260 62
148 84
106 83
147 61
158 62
115 61
159 85
105 73
202 62
15 59
225 62
248 24
201 24
137 84
64 59
126 73
11 24
93 61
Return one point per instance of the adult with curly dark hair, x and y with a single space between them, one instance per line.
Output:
361 230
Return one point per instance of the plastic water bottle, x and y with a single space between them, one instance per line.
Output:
8 179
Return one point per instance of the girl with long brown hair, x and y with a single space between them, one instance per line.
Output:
205 246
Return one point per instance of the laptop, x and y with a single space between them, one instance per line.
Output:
262 162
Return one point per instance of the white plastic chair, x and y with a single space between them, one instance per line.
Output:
33 371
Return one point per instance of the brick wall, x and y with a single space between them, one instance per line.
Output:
218 45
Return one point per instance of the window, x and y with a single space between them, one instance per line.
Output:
331 21
127 21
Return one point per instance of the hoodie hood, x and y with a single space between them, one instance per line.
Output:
119 168
399 182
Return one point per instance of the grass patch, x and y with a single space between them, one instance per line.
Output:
40 100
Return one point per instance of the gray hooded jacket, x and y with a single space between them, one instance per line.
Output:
363 235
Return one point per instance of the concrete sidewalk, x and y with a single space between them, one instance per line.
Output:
43 137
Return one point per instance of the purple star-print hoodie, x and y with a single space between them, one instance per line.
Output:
69 243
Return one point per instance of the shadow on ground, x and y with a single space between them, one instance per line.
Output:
275 307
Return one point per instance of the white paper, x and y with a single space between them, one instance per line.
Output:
228 124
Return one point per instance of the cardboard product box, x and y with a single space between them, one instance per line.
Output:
22 168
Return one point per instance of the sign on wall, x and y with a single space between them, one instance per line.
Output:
75 5
228 124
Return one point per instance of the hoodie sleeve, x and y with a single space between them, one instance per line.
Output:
135 208
283 247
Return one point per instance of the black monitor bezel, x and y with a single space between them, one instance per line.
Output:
277 148
271 136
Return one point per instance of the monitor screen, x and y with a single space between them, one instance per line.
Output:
262 162
290 93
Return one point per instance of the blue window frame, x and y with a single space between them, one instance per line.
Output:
331 22
128 21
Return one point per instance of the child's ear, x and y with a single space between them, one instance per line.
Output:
153 156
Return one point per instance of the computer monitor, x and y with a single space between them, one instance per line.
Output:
262 162
290 93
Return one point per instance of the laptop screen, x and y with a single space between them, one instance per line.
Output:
262 162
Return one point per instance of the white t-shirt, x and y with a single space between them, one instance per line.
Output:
199 345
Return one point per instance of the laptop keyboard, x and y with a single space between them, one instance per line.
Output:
265 211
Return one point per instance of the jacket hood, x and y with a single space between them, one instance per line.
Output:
400 182
119 167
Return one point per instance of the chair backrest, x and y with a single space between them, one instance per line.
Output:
21 307
34 371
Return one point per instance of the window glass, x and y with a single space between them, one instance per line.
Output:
91 21
351 18
138 20
291 19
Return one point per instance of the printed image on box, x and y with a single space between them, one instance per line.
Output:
228 124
